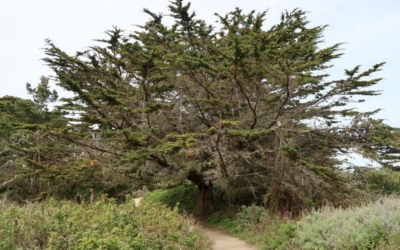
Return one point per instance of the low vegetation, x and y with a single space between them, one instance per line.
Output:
104 225
365 227
368 221
257 226
56 224
372 226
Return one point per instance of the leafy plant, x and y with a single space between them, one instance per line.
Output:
104 225
181 196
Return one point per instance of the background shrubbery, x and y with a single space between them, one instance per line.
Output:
104 225
364 227
379 182
181 196
184 196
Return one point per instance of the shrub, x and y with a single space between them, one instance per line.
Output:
365 227
382 181
267 231
104 225
251 217
183 195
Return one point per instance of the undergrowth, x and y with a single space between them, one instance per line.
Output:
375 225
366 221
182 196
255 225
104 225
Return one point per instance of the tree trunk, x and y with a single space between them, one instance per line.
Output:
204 198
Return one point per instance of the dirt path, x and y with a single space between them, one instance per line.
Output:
137 201
223 241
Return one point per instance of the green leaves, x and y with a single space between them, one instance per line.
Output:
58 225
236 102
42 94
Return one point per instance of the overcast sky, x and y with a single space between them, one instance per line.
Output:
370 29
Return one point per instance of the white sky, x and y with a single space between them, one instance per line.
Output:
369 27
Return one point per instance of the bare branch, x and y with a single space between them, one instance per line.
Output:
9 181
8 163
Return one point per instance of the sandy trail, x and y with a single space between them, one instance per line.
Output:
222 241
137 201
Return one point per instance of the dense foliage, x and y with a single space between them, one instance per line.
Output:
181 196
27 148
238 105
104 225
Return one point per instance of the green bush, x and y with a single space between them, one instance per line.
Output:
256 225
251 217
365 227
382 181
104 225
184 196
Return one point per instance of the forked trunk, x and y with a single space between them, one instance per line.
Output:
204 198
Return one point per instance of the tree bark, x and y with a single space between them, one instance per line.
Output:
204 198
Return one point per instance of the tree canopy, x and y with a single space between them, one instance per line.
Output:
252 109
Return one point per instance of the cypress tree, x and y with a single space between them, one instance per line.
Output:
248 108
